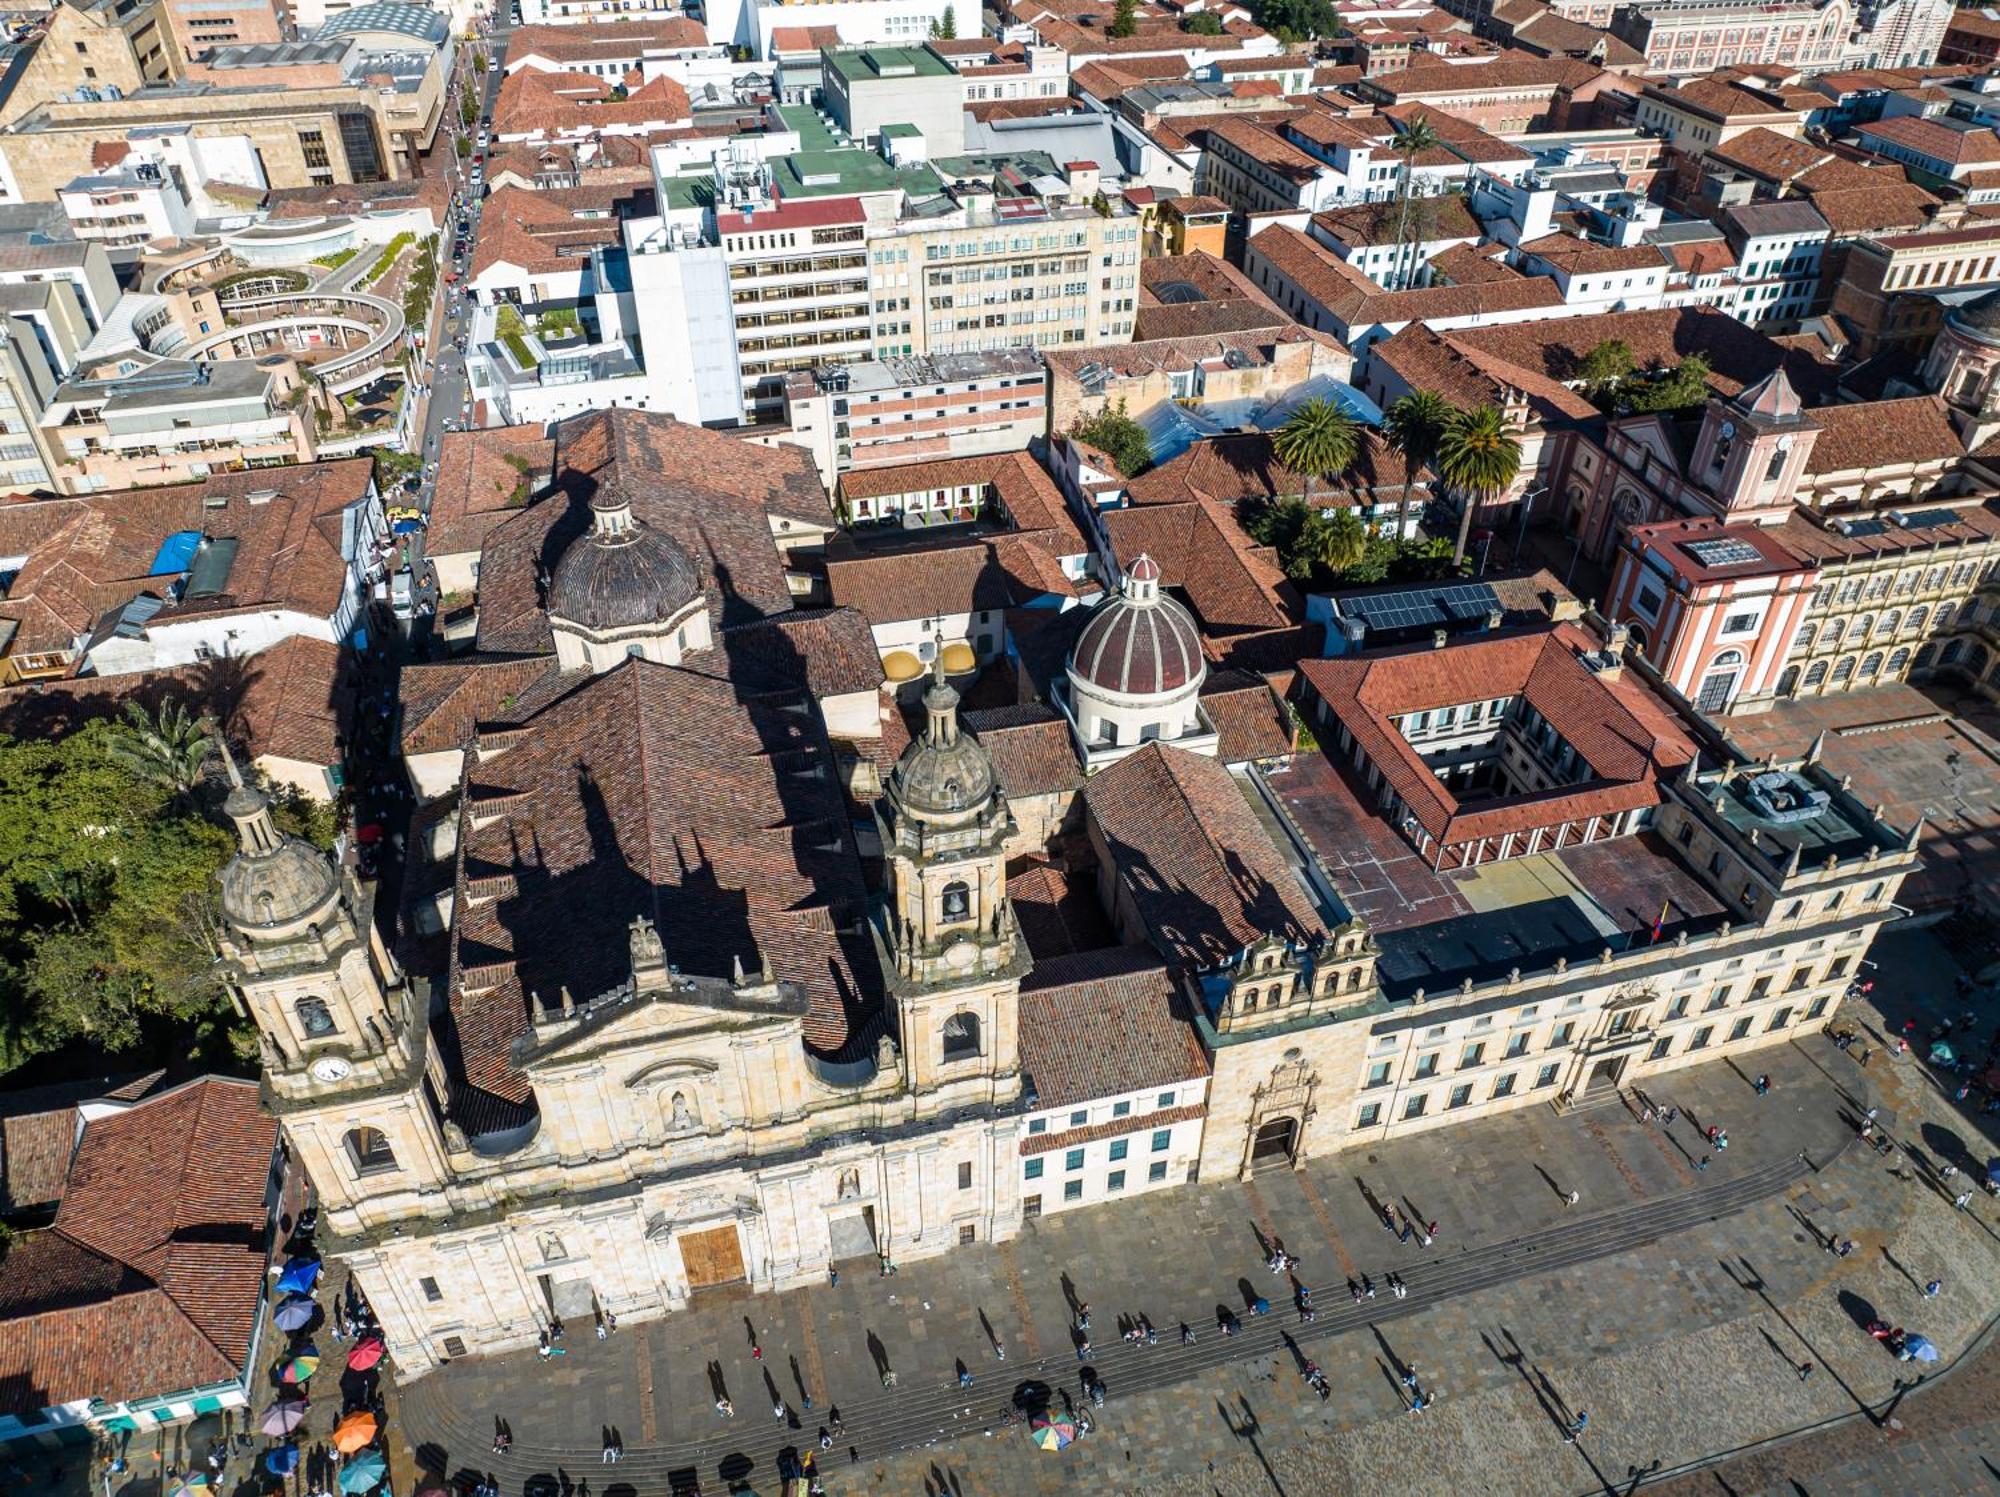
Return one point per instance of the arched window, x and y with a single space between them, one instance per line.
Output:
1275 997
961 1036
1925 654
1843 672
1872 664
1975 663
369 1152
1862 626
1353 979
1944 615
1807 634
1834 629
1951 652
1891 621
1789 681
956 901
1898 661
1720 683
315 1018
1918 617
1816 676
1249 1000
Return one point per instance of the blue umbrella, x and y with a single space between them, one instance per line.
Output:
283 1461
364 1471
1993 1171
295 1314
1942 1054
299 1276
1920 1348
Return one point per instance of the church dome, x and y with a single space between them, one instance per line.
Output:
622 575
1139 641
1979 317
275 879
944 772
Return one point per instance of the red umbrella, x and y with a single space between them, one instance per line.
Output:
372 832
365 1354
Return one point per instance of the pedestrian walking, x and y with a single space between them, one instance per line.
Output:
1410 1375
1083 1350
1000 1350
1397 1286
839 1425
1571 1198
825 1438
1083 1316
832 1277
965 1377
1761 1085
1701 1163
725 1408
1949 1171
1403 1234
1576 1427
778 1410
1805 1371
1430 1232
1673 1116
1962 1199
1934 1288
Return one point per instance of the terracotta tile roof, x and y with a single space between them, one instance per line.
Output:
1250 721
1231 583
904 585
1625 741
1508 72
1934 139
1890 207
296 704
1375 223
1468 265
1468 376
481 476
1030 748
534 103
1575 256
787 40
830 649
716 494
1197 865
553 229
34 1152
592 43
708 807
1101 1024
1023 488
1883 434
1354 301
151 1279
1806 538
1700 257
1191 206
443 702
1764 153
89 555
1262 144
1718 99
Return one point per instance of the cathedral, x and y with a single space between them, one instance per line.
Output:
678 999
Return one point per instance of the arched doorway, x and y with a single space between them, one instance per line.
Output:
1275 1142
1720 683
1789 681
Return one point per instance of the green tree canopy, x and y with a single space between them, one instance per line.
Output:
1606 364
1124 18
1478 457
1119 437
1298 20
1413 426
1318 440
1203 23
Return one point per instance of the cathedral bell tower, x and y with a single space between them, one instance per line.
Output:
344 1046
1750 454
953 954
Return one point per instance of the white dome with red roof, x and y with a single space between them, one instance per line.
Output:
1139 642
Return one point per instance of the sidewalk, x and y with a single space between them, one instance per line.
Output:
1495 1188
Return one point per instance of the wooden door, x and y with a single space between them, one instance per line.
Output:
712 1257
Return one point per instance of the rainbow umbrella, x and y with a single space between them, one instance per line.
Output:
353 1432
1052 1431
282 1417
295 1314
365 1354
301 1367
283 1461
366 1470
193 1486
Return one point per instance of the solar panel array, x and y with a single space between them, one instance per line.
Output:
1723 553
1926 518
1423 607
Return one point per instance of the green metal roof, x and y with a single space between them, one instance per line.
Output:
845 172
885 64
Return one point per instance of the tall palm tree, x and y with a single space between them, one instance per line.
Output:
168 747
1318 440
1478 457
1413 427
1334 544
1416 137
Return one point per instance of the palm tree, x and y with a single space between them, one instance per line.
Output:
1412 141
1478 457
168 747
1334 544
1413 426
1318 440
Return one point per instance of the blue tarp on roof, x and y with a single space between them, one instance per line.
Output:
175 552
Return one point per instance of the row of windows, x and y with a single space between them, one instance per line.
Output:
1892 622
1118 1149
1156 1172
1080 1118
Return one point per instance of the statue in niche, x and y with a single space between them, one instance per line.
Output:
682 1118
552 1247
850 1185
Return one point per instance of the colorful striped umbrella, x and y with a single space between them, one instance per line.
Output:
301 1367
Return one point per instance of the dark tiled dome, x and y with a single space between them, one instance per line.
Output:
944 771
623 573
1980 316
1139 642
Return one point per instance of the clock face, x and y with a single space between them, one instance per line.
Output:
331 1068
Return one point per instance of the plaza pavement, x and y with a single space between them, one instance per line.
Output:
1634 1303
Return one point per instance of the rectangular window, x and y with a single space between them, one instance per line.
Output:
1471 1056
1836 968
1801 979
1166 1100
1781 1018
1660 1049
1119 1148
1546 1076
1162 1137
1078 1118
1378 1074
1719 998
1460 1095
1818 1006
1072 1190
967 1234
1414 1107
1761 988
1156 1172
454 1346
1504 1086
1517 1045
1038 1125
1031 1205
1740 1028
1073 1160
965 1177
1369 1116
1115 1181
1427 1066
1033 1170
1563 1035
1701 1037
431 1290
1121 1109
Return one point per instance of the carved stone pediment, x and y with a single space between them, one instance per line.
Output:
699 1209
